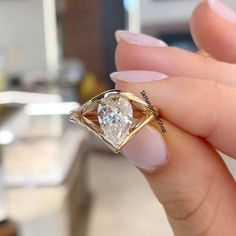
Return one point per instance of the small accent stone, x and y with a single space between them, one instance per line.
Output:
115 115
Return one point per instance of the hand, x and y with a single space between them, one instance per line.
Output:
196 96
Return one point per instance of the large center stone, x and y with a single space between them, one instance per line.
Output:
115 115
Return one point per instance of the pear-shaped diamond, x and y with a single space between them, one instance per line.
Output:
115 116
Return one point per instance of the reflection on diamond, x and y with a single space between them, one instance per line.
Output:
115 115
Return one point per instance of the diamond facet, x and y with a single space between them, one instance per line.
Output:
115 116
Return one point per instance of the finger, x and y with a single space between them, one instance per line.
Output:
201 107
196 200
134 52
213 29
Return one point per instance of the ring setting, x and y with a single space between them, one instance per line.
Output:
114 117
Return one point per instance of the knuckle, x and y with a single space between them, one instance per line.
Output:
191 212
181 206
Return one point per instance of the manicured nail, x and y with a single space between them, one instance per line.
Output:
139 39
147 150
137 76
222 10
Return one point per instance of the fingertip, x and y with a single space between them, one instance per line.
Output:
152 151
214 32
130 41
196 22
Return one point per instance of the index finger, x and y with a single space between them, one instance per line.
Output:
201 107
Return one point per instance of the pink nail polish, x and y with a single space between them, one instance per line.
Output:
137 76
139 39
151 151
222 10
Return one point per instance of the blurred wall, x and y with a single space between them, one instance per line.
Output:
83 33
25 39
166 11
163 11
113 18
22 34
89 28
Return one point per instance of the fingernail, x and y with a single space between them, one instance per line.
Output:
137 76
147 150
222 10
139 39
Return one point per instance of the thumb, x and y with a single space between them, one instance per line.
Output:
189 179
213 29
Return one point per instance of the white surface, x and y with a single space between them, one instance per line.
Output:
231 163
43 149
18 97
39 211
42 163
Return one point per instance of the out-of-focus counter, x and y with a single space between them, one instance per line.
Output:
47 191
43 161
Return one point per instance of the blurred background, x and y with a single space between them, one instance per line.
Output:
55 178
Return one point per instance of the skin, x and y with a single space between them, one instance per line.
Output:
195 187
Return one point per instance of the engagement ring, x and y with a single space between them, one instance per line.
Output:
114 116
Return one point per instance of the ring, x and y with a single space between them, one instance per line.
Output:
203 53
114 116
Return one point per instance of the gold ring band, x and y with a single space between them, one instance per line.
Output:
114 116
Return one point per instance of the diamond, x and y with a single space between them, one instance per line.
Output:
115 116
